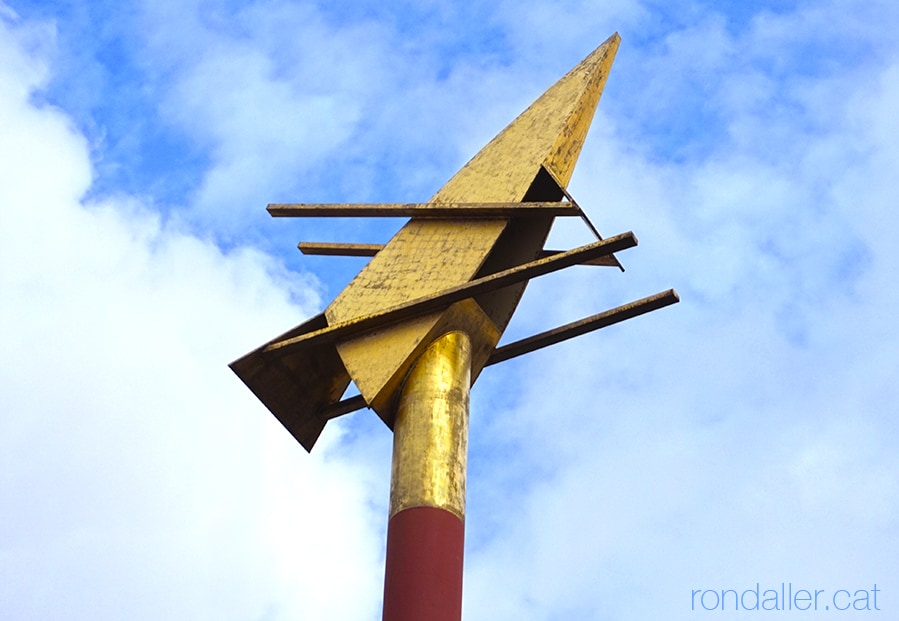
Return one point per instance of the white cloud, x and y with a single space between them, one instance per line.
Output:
266 99
140 479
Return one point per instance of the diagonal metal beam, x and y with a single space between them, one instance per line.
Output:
455 294
421 210
583 326
346 406
580 212
545 339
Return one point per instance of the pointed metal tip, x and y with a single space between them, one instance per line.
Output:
550 134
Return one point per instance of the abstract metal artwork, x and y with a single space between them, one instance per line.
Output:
414 329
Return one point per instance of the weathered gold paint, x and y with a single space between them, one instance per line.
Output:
549 133
465 316
430 447
296 389
496 281
427 256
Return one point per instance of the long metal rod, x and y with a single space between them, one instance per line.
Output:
545 339
337 249
420 210
583 326
455 294
340 249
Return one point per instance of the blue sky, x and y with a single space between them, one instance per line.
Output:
747 435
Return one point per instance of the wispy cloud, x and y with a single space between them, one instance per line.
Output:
139 479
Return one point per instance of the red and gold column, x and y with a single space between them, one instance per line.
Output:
426 531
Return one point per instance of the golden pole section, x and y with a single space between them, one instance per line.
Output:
426 531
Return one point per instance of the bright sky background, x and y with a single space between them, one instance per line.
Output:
747 435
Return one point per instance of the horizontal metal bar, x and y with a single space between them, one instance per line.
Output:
420 210
339 250
455 294
545 339
589 324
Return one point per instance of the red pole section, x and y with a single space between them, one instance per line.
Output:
426 531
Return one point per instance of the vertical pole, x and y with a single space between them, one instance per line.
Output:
426 530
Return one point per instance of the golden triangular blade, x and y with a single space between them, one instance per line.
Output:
427 256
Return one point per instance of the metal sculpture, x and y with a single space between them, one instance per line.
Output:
416 326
